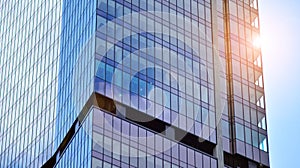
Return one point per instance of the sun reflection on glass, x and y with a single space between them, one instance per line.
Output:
257 42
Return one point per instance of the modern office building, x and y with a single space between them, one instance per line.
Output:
131 83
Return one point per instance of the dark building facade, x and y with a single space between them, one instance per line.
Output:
139 83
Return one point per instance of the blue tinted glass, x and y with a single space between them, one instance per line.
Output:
150 43
263 142
174 102
119 11
126 80
149 87
100 21
143 89
166 99
111 30
181 44
150 73
183 153
134 39
134 85
143 62
189 87
109 72
125 53
173 41
174 60
197 112
135 2
240 132
118 77
126 10
101 70
188 62
196 69
118 54
255 138
143 4
127 40
110 54
111 8
102 6
158 74
181 62
134 62
205 116
178 58
190 111
142 42
150 5
180 3
165 8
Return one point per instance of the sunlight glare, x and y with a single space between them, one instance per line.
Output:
257 42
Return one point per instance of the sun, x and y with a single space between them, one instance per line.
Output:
257 42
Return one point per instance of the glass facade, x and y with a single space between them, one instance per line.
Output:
29 56
76 70
120 143
79 150
248 114
131 83
157 66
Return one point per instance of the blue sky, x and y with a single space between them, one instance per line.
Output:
280 32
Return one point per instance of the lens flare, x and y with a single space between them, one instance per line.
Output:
257 42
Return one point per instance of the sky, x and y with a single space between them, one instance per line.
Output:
280 36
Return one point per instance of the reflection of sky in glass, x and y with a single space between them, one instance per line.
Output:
28 71
141 89
154 68
280 25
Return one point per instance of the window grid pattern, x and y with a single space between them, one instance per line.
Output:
47 71
192 103
75 78
78 152
29 52
248 89
226 131
114 145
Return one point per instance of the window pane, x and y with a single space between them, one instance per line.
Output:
142 89
263 143
261 121
174 102
255 138
134 85
239 131
248 135
225 128
205 116
100 70
109 73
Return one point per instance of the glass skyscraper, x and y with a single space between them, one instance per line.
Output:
131 83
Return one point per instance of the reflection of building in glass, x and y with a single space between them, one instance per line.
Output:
133 83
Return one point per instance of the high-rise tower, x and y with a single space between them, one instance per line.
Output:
132 83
